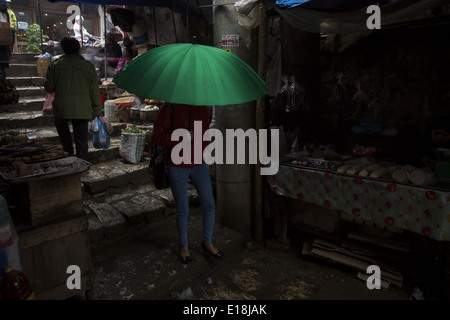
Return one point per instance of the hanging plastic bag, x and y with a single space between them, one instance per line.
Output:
296 99
278 105
362 105
340 91
100 135
47 109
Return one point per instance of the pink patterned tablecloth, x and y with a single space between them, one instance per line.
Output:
386 204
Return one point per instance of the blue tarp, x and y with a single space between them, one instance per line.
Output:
336 16
328 5
148 3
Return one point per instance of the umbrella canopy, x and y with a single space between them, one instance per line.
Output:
191 74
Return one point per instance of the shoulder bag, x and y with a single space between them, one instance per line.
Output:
158 167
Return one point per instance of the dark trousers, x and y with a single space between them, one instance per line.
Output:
80 136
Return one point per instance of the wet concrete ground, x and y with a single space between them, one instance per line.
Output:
142 264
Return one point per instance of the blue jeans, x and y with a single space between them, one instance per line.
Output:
199 176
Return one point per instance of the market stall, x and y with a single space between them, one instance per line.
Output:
44 198
391 221
362 198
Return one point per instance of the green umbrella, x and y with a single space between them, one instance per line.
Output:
191 74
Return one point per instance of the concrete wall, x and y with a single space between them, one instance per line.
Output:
163 28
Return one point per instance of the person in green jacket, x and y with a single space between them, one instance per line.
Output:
74 82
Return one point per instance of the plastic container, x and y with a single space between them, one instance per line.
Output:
16 285
10 250
110 108
148 115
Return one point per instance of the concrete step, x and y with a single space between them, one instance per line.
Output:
33 119
50 134
26 81
102 155
30 91
22 70
115 173
116 210
24 120
23 58
24 104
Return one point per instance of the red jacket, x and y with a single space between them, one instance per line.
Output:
181 113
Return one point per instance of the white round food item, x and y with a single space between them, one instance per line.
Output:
380 173
364 173
369 169
419 176
355 169
400 175
343 168
373 167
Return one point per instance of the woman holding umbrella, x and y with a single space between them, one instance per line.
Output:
179 116
191 77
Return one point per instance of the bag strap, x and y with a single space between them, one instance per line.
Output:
168 149
171 117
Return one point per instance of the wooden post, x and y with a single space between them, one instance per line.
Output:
154 27
40 28
260 121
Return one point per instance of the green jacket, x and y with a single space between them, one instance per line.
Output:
75 84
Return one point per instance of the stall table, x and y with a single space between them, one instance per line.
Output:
52 230
423 210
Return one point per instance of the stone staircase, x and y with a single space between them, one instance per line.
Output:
117 195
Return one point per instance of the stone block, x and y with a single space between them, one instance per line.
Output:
109 217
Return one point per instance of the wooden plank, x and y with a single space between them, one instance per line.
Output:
37 236
396 245
365 276
358 265
329 246
61 292
283 206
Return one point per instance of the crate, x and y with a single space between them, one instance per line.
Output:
49 250
42 65
44 200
